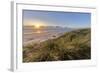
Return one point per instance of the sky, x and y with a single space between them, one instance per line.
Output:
53 18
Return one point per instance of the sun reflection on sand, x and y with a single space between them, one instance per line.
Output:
38 31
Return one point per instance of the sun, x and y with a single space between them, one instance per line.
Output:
37 26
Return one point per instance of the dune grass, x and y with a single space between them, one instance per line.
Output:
74 45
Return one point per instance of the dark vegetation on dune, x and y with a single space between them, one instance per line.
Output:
74 45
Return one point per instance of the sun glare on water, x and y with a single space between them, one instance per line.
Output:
38 31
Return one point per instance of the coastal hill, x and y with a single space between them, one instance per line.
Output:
73 45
